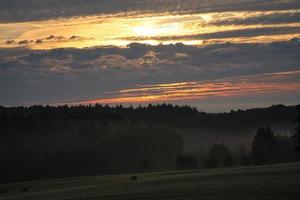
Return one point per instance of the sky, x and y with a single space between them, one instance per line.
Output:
214 55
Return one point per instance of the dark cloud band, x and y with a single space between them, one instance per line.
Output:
29 10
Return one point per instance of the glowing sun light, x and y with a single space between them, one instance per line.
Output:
146 30
149 30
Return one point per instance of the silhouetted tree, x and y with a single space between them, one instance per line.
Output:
186 162
296 133
265 147
219 156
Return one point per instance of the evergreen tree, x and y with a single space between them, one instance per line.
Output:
265 147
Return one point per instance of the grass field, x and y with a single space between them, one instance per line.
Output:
280 181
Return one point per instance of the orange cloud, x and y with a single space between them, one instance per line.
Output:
271 83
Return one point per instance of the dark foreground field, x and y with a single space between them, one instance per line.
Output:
261 182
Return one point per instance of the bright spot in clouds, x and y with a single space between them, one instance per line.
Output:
148 30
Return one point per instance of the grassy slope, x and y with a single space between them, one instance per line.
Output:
262 182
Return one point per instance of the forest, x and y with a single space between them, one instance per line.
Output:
41 142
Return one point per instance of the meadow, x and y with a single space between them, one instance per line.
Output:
280 181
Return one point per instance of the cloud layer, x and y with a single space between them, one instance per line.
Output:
73 75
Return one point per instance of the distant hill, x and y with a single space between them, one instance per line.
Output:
170 116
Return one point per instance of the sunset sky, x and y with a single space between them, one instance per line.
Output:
215 55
